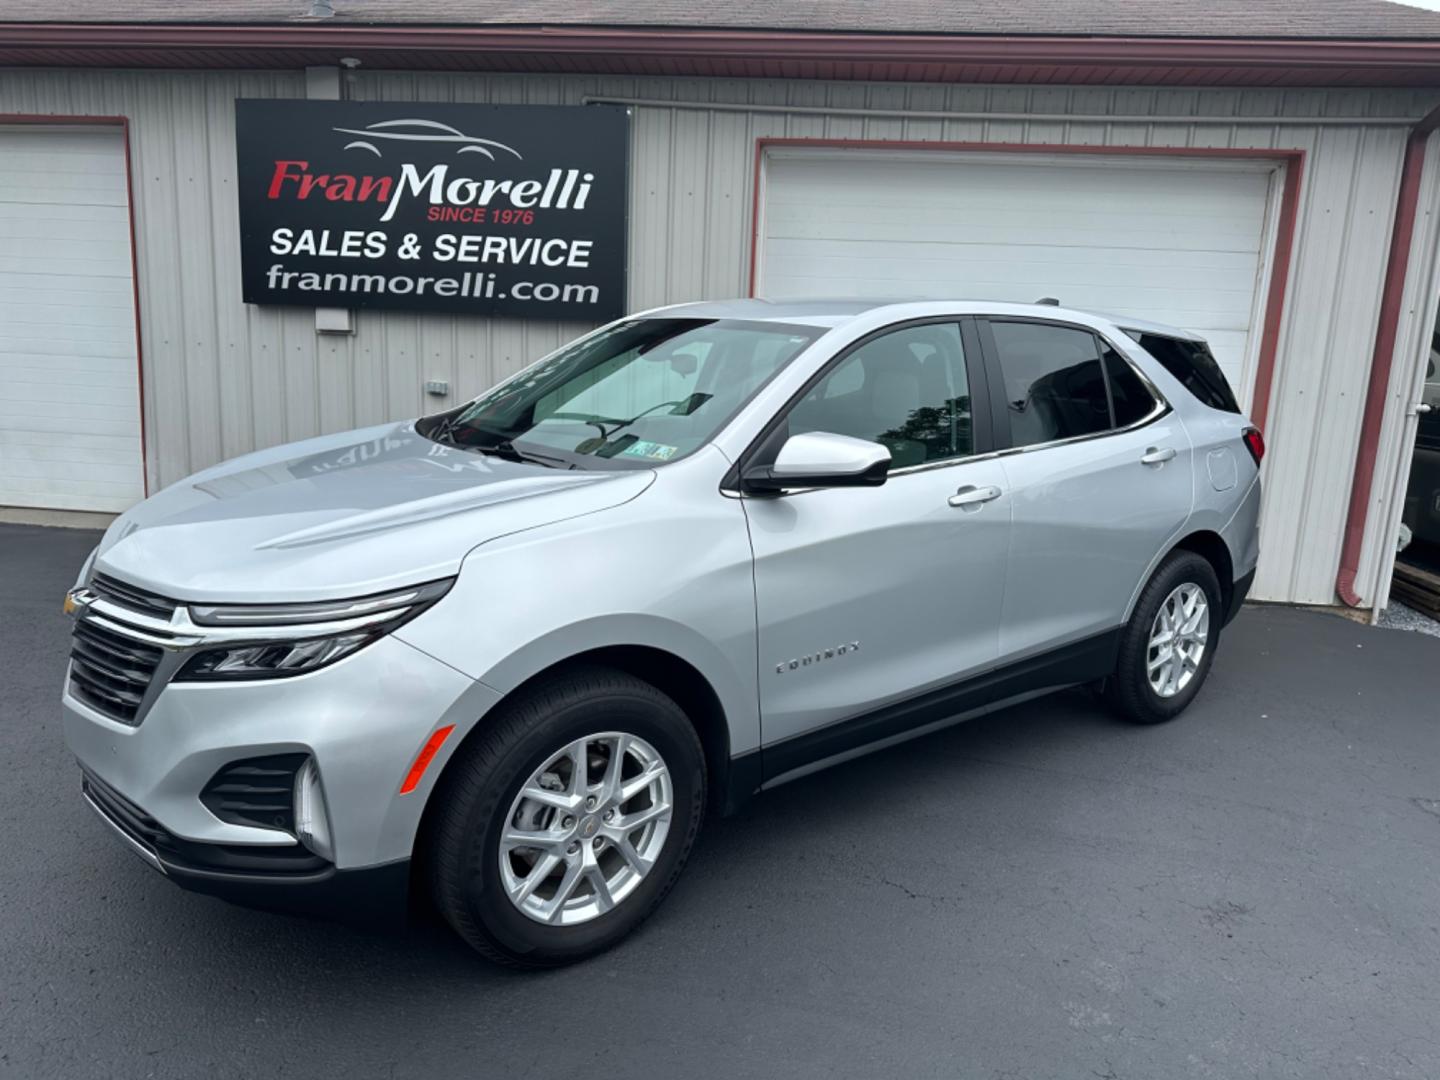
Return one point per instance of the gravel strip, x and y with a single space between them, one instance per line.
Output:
1399 617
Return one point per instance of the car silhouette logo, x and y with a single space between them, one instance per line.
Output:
421 131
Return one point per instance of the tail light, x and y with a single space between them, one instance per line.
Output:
1255 443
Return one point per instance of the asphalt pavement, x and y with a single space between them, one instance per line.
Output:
1252 890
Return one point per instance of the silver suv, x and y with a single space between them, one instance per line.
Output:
508 655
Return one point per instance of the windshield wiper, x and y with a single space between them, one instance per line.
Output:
506 449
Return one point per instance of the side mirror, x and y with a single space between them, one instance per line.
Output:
821 459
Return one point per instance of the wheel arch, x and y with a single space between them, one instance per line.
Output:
667 671
1210 546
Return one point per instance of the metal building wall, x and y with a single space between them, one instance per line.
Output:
1407 377
222 378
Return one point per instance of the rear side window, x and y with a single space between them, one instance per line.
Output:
1054 385
1129 395
1192 363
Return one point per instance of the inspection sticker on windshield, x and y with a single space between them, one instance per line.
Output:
653 450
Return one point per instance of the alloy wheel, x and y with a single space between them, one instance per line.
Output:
1178 639
586 828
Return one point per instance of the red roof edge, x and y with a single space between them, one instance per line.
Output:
73 38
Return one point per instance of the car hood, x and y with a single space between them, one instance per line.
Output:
342 515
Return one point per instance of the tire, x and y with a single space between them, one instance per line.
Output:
1129 691
481 790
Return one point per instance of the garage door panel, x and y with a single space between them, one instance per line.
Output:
109 446
1024 230
53 394
932 180
104 292
69 381
44 315
17 211
60 355
82 425
1019 227
99 469
51 230
33 190
1044 254
1078 268
37 324
109 374
67 494
1180 245
64 259
108 340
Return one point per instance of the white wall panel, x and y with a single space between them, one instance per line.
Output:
221 377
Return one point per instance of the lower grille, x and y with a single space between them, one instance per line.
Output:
174 852
110 672
256 791
132 821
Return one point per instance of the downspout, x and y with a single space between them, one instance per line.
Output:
1391 299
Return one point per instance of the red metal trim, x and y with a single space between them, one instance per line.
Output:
1275 295
1050 50
1292 160
46 118
760 145
135 299
1028 58
1392 296
123 123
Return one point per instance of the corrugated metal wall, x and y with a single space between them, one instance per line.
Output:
1407 378
222 378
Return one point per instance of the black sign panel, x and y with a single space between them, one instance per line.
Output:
476 209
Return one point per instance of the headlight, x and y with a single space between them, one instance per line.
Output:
274 641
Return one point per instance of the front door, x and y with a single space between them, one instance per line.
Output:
869 595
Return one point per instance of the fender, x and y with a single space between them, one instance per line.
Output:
737 696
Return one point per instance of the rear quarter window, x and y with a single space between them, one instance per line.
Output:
1193 364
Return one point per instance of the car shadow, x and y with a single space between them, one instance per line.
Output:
773 826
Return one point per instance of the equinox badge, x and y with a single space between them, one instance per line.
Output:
817 657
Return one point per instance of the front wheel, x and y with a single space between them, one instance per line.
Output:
566 821
1168 645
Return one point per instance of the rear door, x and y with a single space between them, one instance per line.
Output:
1099 477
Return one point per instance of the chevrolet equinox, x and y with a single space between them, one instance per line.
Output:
508 655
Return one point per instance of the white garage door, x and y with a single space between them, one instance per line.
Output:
69 381
1178 242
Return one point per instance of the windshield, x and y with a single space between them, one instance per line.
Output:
631 396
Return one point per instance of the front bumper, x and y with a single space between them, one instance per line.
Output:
362 719
279 879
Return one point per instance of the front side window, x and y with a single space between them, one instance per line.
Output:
906 390
631 396
1054 384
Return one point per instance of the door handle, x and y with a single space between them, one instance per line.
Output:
1157 455
1422 409
971 497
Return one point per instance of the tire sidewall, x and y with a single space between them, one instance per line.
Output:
1180 569
484 895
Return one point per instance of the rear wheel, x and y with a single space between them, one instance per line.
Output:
1168 645
564 824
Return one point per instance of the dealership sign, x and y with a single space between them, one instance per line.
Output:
473 209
